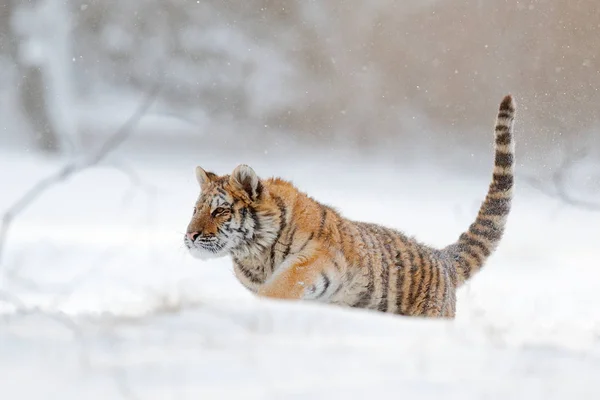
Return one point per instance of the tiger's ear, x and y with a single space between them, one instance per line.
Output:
203 177
244 177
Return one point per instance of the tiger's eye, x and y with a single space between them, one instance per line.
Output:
219 211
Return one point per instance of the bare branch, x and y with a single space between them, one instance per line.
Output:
136 182
76 166
555 185
22 310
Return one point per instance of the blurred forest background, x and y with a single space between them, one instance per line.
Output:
365 75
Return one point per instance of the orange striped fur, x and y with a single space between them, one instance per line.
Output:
287 245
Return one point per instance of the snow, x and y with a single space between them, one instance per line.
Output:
118 309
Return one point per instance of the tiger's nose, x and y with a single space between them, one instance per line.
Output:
193 235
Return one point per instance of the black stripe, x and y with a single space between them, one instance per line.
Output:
288 247
337 266
433 284
341 232
337 289
506 105
211 175
422 275
502 182
343 281
463 265
349 236
492 234
326 283
254 217
487 224
305 243
470 250
413 273
401 270
503 138
473 242
429 261
446 285
340 280
386 268
249 274
393 261
501 130
243 216
475 255
323 218
507 115
497 207
259 189
224 229
367 293
282 224
504 159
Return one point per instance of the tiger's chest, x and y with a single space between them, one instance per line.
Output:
254 271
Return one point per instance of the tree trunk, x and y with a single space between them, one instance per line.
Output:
33 103
41 49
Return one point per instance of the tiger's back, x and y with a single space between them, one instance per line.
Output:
372 267
287 245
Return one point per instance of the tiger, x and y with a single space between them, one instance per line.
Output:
286 245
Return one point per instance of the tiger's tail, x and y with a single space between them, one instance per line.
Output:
475 245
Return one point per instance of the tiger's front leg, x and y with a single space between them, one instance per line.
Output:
304 278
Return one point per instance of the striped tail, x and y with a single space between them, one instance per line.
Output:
474 246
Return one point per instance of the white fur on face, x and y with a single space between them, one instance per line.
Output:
203 254
206 250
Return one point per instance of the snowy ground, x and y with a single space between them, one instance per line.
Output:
123 311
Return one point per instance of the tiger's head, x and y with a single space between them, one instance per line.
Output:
231 216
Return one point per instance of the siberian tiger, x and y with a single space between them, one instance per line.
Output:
286 245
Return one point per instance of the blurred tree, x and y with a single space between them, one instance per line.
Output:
40 47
